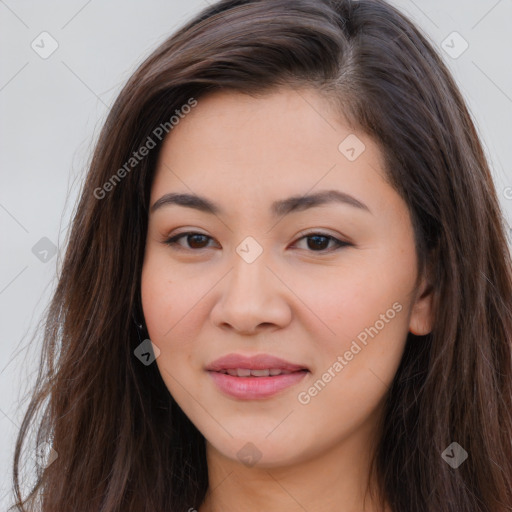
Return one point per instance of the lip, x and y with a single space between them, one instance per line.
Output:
256 362
254 388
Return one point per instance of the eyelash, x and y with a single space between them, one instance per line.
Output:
173 241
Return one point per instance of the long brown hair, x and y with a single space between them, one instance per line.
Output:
123 444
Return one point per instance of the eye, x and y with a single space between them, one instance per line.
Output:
197 241
318 240
193 237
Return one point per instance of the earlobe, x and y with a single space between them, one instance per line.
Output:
421 321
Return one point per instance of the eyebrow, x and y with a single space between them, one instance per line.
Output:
279 208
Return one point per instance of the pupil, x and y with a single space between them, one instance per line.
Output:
196 237
324 238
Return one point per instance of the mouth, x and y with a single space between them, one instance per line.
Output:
263 362
256 377
248 372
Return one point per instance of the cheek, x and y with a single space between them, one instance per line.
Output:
155 287
364 308
356 365
350 301
172 303
166 299
162 312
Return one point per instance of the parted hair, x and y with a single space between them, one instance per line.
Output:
123 443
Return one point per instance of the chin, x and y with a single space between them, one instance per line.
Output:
259 451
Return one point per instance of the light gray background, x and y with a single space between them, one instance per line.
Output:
51 110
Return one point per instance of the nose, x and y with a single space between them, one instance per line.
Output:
252 298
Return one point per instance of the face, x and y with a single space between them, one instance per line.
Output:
315 297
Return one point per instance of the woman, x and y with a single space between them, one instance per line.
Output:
206 351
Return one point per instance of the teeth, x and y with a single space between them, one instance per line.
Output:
245 372
260 373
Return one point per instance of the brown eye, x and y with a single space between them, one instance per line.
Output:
194 240
318 242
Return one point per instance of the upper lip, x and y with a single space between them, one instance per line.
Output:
256 362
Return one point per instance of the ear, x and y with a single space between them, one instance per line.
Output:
421 321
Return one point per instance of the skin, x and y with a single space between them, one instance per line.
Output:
301 301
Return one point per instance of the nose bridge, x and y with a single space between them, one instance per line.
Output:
249 268
249 296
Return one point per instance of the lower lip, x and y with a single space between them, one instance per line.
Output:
250 388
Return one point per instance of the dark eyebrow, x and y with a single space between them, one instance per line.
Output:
278 208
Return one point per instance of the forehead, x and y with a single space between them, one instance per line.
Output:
284 143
